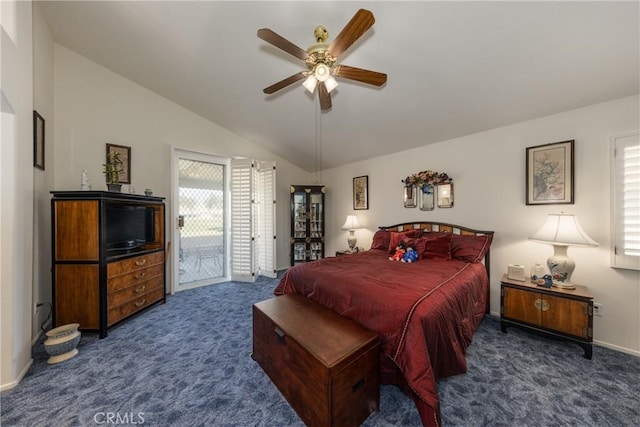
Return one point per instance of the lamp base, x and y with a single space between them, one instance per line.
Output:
563 285
561 267
352 243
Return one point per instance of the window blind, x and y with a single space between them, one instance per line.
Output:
242 247
626 201
253 231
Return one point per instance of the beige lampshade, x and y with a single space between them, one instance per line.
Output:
351 223
563 229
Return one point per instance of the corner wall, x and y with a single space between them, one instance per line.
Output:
488 169
43 49
16 184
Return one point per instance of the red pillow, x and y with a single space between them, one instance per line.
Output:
437 247
381 240
418 244
396 238
469 248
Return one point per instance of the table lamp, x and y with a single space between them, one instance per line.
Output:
351 224
562 230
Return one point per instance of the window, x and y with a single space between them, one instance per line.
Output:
626 201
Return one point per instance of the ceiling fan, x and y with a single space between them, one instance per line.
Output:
321 59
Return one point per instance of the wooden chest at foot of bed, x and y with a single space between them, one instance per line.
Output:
324 364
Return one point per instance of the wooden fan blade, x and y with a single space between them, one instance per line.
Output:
364 76
361 22
325 97
284 83
282 43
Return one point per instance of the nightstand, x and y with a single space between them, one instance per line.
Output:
558 313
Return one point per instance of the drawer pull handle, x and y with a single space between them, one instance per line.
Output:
280 334
140 303
357 386
141 275
140 289
141 262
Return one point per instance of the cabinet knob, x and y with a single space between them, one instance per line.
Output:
541 304
140 289
141 275
141 262
545 305
140 303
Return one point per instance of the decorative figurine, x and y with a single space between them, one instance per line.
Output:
84 185
410 255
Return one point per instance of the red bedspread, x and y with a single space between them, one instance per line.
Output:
425 313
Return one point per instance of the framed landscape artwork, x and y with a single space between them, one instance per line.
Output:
361 192
550 174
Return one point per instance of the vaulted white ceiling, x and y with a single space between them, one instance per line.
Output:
454 68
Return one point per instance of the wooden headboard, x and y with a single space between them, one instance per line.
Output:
446 228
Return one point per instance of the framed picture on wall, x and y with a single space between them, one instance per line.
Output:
550 174
38 140
125 156
361 192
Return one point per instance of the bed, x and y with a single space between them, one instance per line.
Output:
425 312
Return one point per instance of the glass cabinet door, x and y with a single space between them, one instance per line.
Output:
300 230
307 223
316 216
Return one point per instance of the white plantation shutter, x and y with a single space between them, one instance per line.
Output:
626 201
267 219
242 248
253 245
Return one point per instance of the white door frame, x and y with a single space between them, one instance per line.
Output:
173 221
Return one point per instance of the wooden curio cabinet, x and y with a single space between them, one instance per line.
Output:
108 257
307 223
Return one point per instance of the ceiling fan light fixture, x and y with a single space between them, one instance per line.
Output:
310 83
322 72
330 84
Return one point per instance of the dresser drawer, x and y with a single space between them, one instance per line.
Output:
134 292
119 312
132 264
134 278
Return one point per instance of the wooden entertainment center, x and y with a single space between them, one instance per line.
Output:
108 257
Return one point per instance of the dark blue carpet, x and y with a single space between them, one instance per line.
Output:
187 363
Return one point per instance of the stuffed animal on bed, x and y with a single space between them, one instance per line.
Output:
399 253
410 256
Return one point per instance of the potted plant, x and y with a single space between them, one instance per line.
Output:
112 170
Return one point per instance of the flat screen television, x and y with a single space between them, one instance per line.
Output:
129 227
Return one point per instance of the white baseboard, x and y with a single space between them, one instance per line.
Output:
617 348
14 383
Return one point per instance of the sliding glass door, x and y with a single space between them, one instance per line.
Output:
201 220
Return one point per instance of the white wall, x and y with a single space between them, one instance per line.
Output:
489 177
43 50
95 106
16 184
